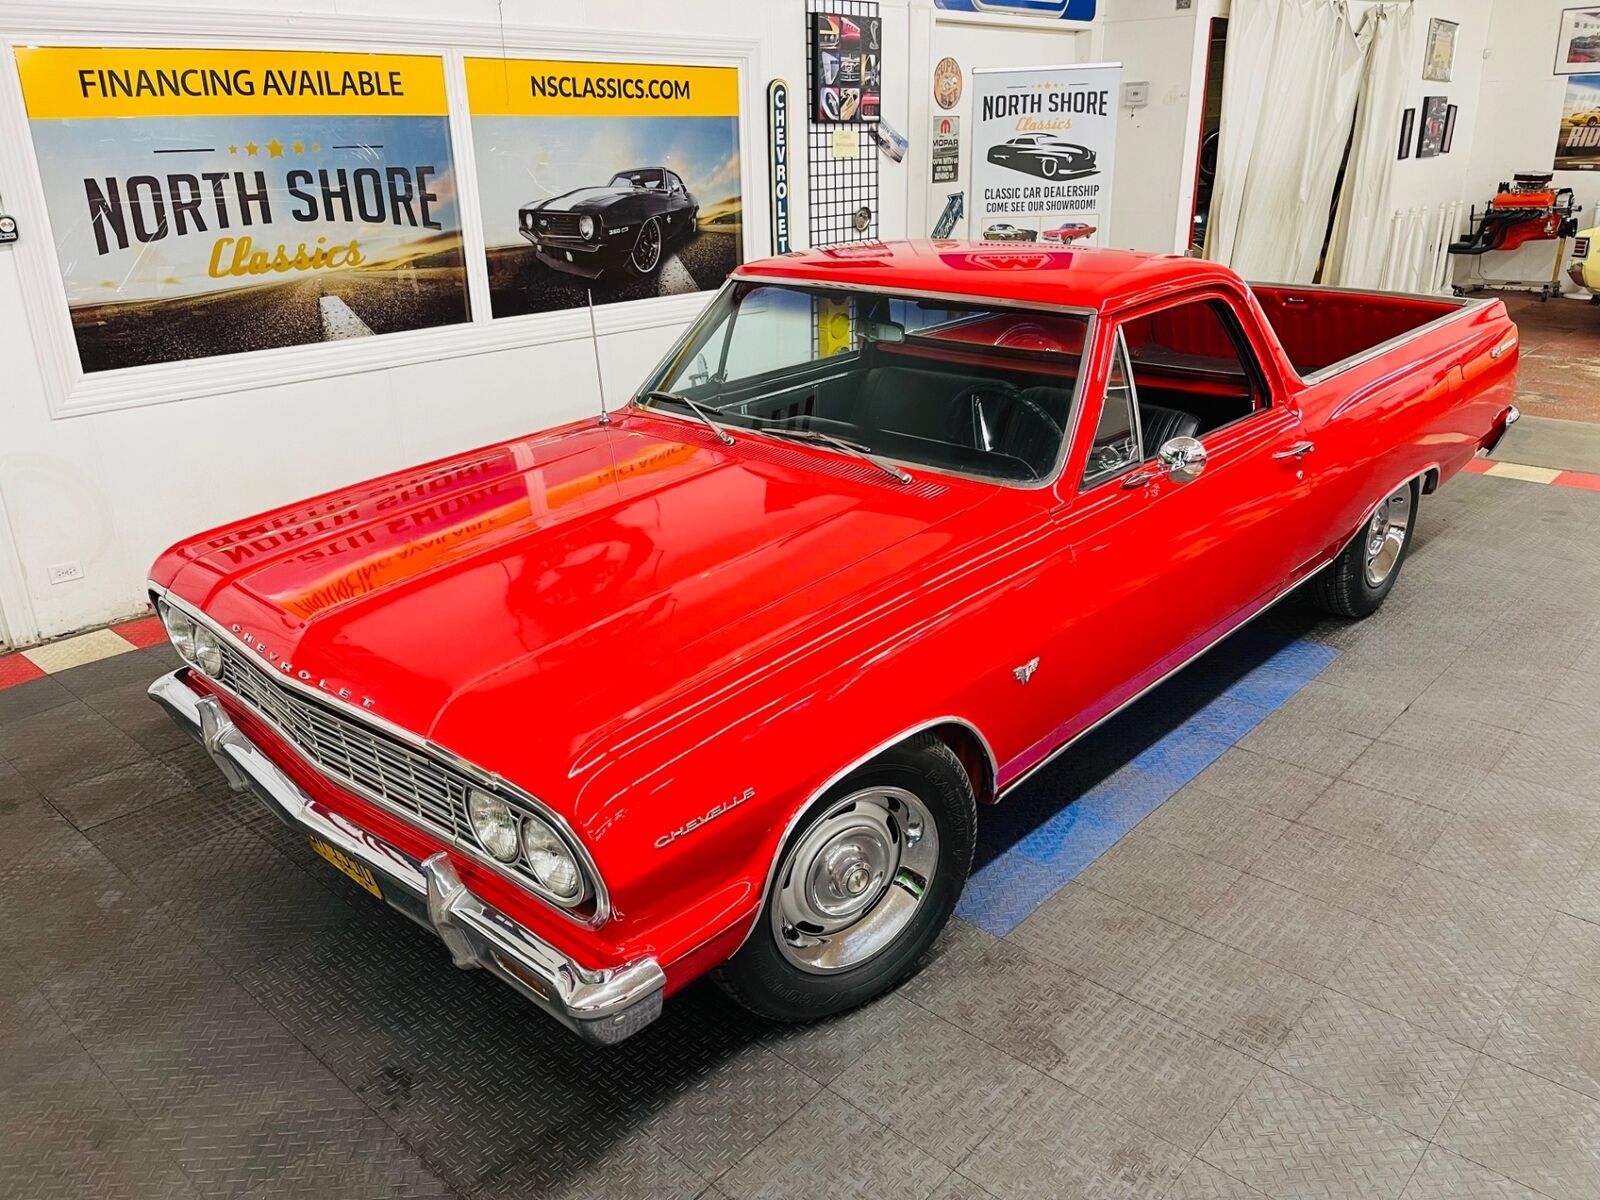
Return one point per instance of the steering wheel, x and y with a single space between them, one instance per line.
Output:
973 423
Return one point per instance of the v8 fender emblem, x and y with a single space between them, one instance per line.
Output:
1026 670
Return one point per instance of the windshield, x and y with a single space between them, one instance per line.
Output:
953 385
638 179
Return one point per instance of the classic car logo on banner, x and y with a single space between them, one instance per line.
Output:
1578 141
209 202
618 178
1042 152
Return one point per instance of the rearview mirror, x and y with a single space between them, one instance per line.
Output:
699 373
1182 458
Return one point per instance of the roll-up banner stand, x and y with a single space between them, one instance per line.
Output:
1043 148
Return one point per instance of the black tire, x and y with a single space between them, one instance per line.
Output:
1343 587
761 976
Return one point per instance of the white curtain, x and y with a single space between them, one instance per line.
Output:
1361 240
1288 100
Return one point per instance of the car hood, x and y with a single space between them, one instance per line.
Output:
584 198
563 586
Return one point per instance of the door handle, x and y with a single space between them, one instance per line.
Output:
1298 450
1138 479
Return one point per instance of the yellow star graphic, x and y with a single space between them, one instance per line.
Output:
250 149
315 147
299 147
275 148
233 149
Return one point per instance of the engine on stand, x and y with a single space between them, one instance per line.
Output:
1528 209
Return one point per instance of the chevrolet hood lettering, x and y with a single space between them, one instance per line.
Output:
254 644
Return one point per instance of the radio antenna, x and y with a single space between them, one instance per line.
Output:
594 340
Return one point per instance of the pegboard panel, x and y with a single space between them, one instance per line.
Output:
838 188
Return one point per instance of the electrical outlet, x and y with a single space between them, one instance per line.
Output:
65 572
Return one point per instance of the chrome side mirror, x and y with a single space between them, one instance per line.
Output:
699 373
1182 458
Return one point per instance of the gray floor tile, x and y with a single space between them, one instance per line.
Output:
1289 929
1354 710
1096 936
1280 788
826 1049
1414 774
1502 850
1572 768
1304 743
1226 994
1448 736
1528 1129
1471 921
1157 1073
1376 1061
1290 1140
1333 869
1551 1033
1058 1143
59 747
1220 828
1368 817
1169 881
1483 701
1445 1176
832 1148
117 793
1201 1181
1569 958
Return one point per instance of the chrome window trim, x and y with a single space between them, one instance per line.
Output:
594 885
1091 320
1119 348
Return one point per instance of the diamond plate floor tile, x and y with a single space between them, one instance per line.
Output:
1381 820
1280 788
366 1162
1304 743
1551 1033
63 745
1376 1061
1484 701
1446 1176
1333 869
832 1148
1501 852
1528 1129
1201 1181
1449 736
1058 1142
131 710
958 1187
825 1049
936 1086
1470 920
1286 928
631 1168
1350 709
1290 1140
1569 957
1226 994
1160 878
1096 936
1220 828
1414 775
1572 768
29 699
1157 1073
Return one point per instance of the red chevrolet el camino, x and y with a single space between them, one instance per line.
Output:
723 681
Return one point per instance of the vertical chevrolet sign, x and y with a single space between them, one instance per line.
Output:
778 164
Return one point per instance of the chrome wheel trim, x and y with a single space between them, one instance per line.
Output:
1386 536
647 247
855 880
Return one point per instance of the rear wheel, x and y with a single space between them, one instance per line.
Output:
863 887
1355 583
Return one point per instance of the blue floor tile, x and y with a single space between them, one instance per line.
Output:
1001 894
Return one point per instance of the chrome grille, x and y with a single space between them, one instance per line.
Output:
558 224
351 752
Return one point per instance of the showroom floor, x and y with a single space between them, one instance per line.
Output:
1320 917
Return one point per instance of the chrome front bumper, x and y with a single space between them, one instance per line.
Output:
602 1006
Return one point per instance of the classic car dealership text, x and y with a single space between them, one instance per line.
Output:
936 598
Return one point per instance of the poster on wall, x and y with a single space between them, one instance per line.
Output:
212 202
1058 10
848 57
1578 46
1043 143
1578 141
617 179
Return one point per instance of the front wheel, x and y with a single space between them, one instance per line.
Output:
1355 583
645 257
863 887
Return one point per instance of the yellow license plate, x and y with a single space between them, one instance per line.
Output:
358 871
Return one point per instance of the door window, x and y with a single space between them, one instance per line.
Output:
1116 438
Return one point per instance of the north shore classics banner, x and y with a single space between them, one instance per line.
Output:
616 180
212 202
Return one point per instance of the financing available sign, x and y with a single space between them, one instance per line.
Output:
211 202
1043 148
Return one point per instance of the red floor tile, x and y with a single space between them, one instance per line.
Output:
15 669
1578 479
147 631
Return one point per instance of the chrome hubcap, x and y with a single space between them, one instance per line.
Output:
855 880
1386 535
647 247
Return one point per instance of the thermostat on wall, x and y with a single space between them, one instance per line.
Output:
1136 94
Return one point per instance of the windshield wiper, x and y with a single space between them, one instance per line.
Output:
723 435
839 443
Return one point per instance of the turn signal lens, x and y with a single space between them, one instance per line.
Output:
550 861
180 632
207 651
495 825
586 227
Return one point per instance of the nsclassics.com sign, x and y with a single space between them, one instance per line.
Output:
1043 148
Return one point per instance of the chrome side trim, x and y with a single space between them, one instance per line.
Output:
817 794
486 779
600 1004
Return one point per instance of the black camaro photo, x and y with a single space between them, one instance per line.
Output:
1043 155
623 227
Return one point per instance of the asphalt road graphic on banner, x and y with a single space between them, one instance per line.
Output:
519 283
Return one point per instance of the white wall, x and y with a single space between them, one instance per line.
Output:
110 489
1427 182
1518 120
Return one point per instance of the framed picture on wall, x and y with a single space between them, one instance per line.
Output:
1440 57
1430 138
1408 127
1449 130
1578 48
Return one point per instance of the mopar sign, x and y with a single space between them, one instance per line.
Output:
778 164
1058 10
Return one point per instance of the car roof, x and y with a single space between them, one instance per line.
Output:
1103 280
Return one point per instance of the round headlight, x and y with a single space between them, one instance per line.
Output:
550 860
180 631
586 226
207 651
495 824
